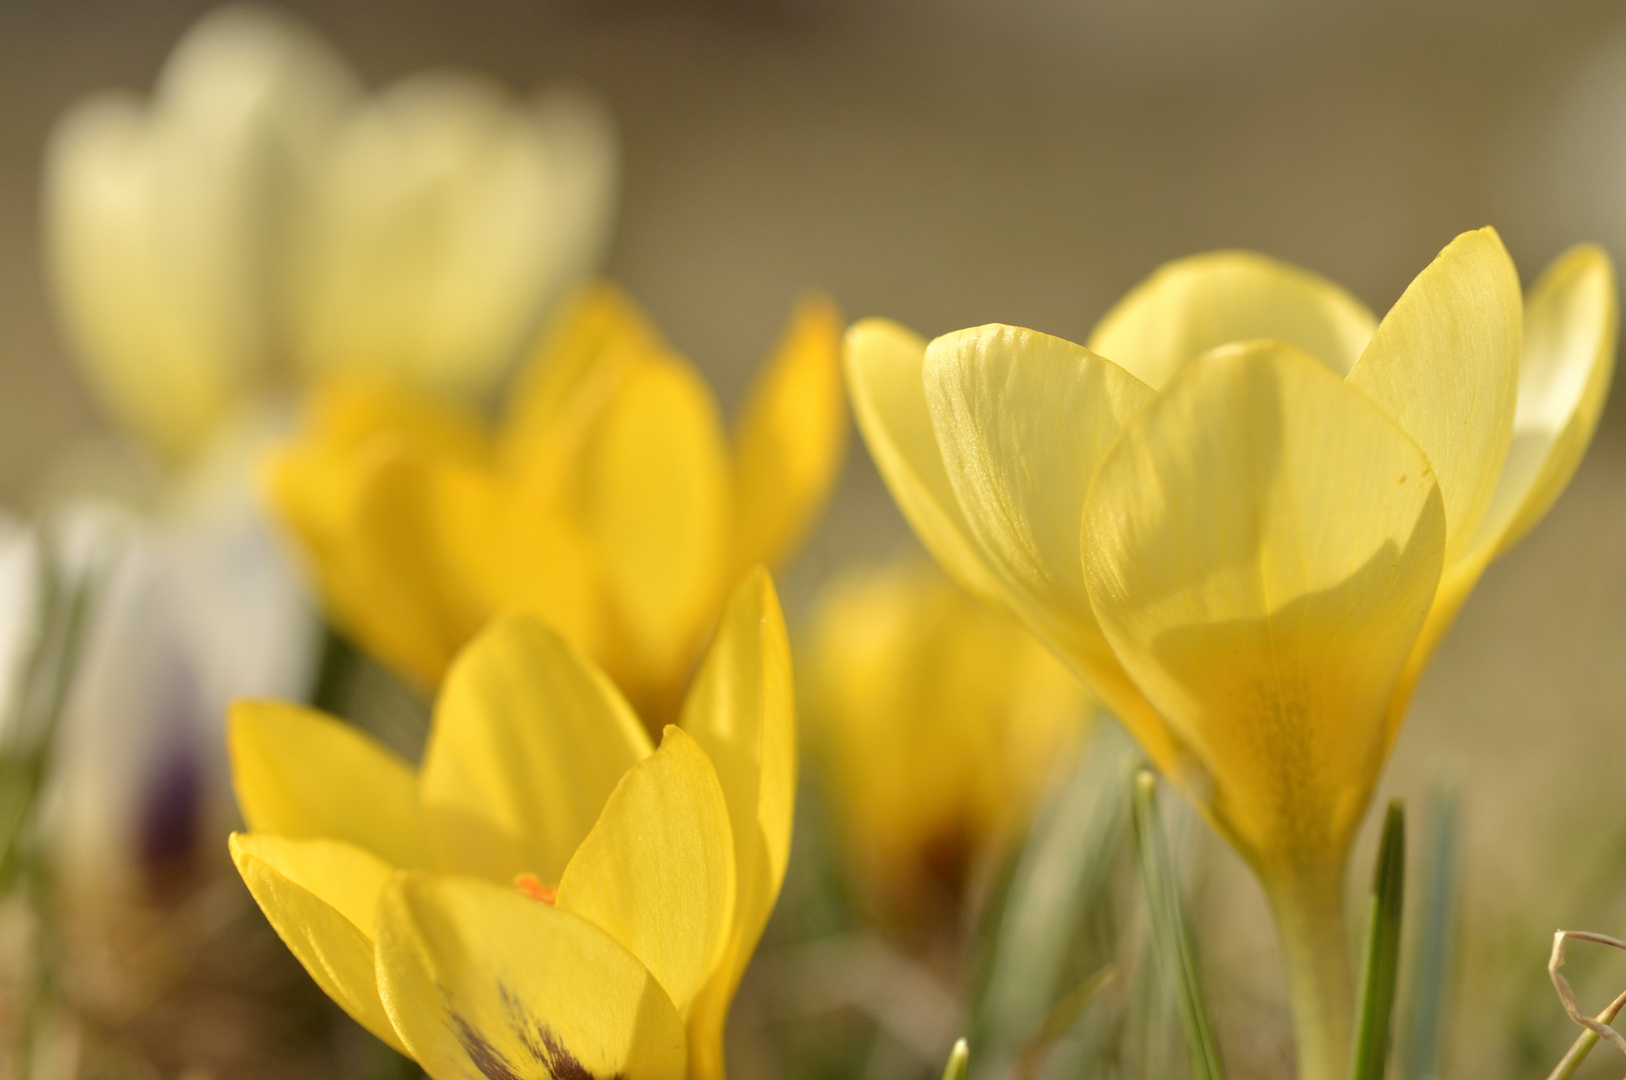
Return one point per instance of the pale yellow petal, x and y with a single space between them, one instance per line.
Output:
1444 365
301 774
790 438
884 363
657 871
656 505
321 897
1023 419
482 981
1262 546
529 740
1571 319
435 236
741 710
1192 305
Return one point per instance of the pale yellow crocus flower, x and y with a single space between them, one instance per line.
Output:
1249 550
609 502
260 218
938 720
549 894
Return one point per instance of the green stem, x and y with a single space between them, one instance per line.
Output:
1309 907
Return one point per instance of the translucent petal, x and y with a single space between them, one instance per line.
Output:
790 438
884 364
528 742
657 871
301 774
1571 318
1444 364
741 710
1192 305
481 980
1262 546
1023 419
321 897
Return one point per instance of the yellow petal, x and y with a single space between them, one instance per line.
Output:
346 411
1570 323
438 232
529 740
303 775
790 438
741 710
657 871
1444 365
1022 419
1262 546
884 376
321 896
656 503
484 981
598 328
369 524
1191 305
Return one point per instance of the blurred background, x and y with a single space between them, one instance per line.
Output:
950 163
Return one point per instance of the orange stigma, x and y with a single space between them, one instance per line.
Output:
532 886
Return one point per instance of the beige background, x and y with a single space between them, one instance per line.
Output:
953 163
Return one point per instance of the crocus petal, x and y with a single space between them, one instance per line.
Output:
347 411
303 775
790 438
370 526
657 871
482 981
594 334
1022 419
446 298
1262 546
321 896
655 491
529 740
884 363
1570 323
1444 364
741 710
1192 305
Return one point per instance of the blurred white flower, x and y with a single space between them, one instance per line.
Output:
190 610
260 216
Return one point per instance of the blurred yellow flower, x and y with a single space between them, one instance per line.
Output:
939 721
610 502
548 893
1250 550
261 210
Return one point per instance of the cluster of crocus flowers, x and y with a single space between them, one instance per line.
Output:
1246 513
548 894
609 502
938 721
262 216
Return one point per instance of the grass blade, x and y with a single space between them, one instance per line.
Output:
1171 940
1380 969
1425 1006
959 1060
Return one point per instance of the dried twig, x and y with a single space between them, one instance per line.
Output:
1597 1027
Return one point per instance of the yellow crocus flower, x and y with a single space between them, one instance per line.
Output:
261 212
939 720
548 894
1246 513
609 503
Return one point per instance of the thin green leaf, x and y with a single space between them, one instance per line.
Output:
1424 1005
1171 939
1380 970
1061 878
